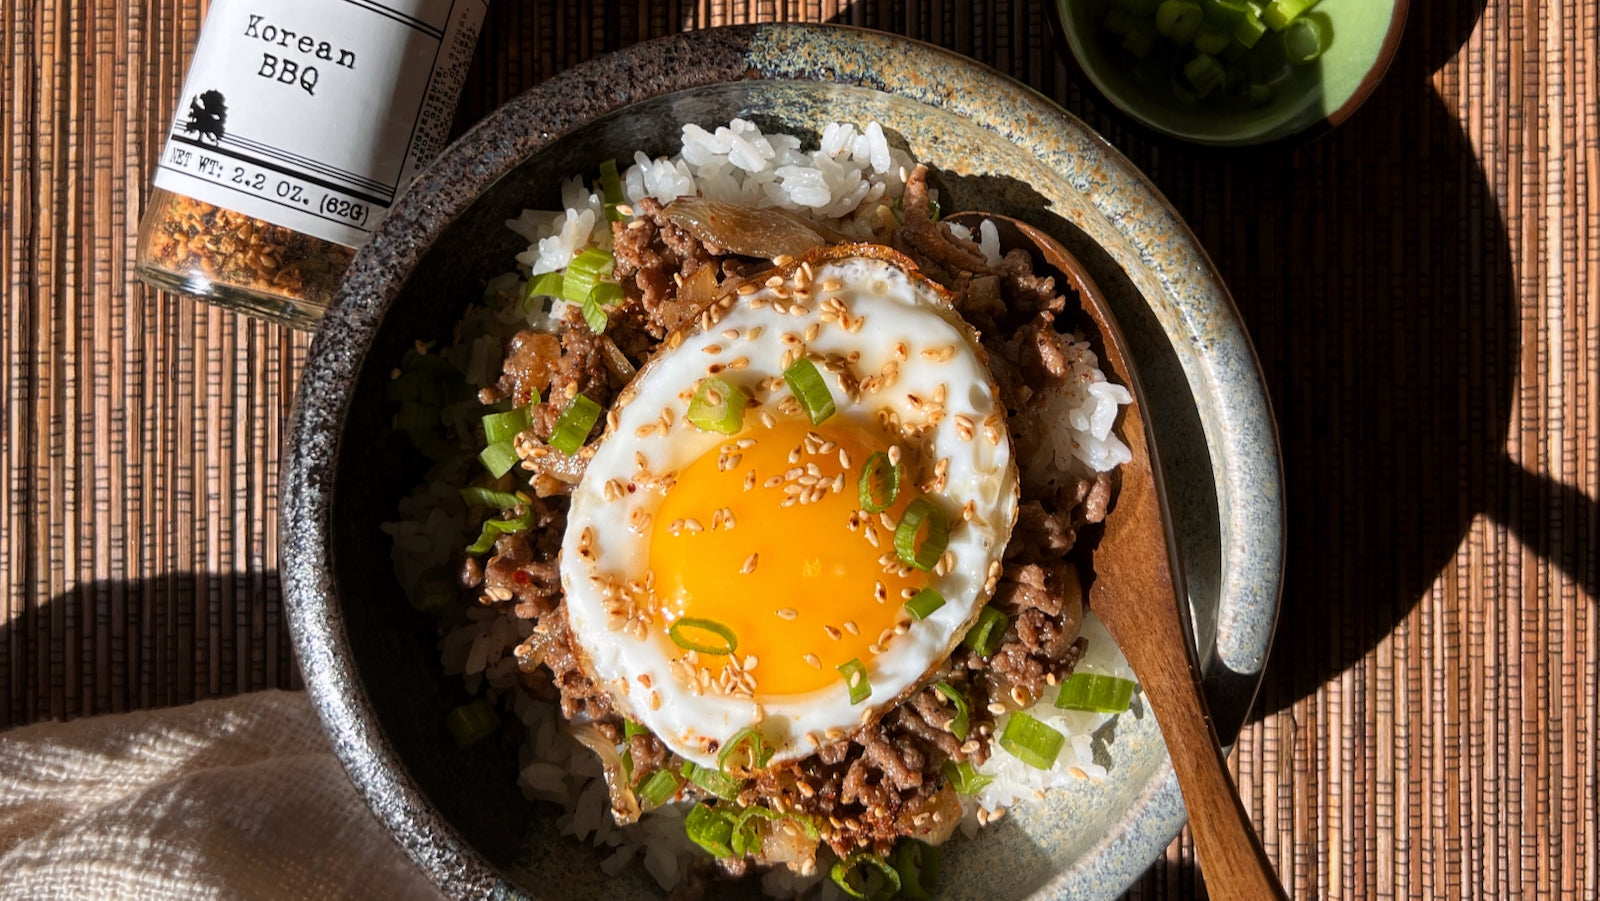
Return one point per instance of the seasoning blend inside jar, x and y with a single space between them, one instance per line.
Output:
299 124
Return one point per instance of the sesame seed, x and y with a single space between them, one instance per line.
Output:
844 458
788 613
733 333
886 521
814 661
749 480
775 282
855 679
813 330
894 454
655 700
908 593
831 632
693 525
749 564
997 708
851 627
880 593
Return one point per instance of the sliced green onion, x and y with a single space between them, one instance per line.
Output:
1304 40
1205 73
866 875
924 603
985 635
435 589
711 829
934 210
584 272
918 865
879 484
1095 692
963 718
1139 39
718 406
416 415
607 294
595 315
546 285
747 837
1118 21
472 722
1248 29
746 750
611 190
488 497
1280 13
659 788
1211 39
1031 741
573 425
631 728
432 444
494 528
498 458
855 679
714 781
1179 20
1259 94
809 388
498 427
963 778
681 636
923 557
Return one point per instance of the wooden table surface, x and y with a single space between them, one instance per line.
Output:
1422 285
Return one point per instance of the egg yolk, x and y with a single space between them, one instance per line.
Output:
765 536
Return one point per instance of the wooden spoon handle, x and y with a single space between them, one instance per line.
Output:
1232 861
1155 639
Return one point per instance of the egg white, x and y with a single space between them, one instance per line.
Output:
902 313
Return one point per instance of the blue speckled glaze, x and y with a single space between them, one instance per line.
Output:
996 146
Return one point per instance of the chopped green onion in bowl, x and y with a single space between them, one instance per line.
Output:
1031 741
574 424
809 388
472 722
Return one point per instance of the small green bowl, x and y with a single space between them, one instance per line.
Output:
1316 97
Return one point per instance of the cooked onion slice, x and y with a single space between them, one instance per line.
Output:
748 232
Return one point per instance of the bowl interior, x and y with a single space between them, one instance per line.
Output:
371 662
1328 88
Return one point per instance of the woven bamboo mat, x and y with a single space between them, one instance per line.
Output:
1423 286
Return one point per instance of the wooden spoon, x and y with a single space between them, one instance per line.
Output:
1139 595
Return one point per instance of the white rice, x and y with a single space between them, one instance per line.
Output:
852 171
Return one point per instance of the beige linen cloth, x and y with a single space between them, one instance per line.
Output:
238 799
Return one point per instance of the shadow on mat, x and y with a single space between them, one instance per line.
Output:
144 643
1412 345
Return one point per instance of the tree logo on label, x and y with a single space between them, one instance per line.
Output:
208 114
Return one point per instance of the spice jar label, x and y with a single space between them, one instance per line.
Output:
314 114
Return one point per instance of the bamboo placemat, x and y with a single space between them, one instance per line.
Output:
1423 286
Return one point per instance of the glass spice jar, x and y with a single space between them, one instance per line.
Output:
299 124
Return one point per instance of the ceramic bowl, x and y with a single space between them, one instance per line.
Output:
370 661
1365 34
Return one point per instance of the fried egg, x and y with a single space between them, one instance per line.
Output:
722 581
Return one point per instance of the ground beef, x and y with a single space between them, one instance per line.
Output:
652 253
872 788
580 369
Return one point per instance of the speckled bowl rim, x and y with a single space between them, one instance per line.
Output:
1243 441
